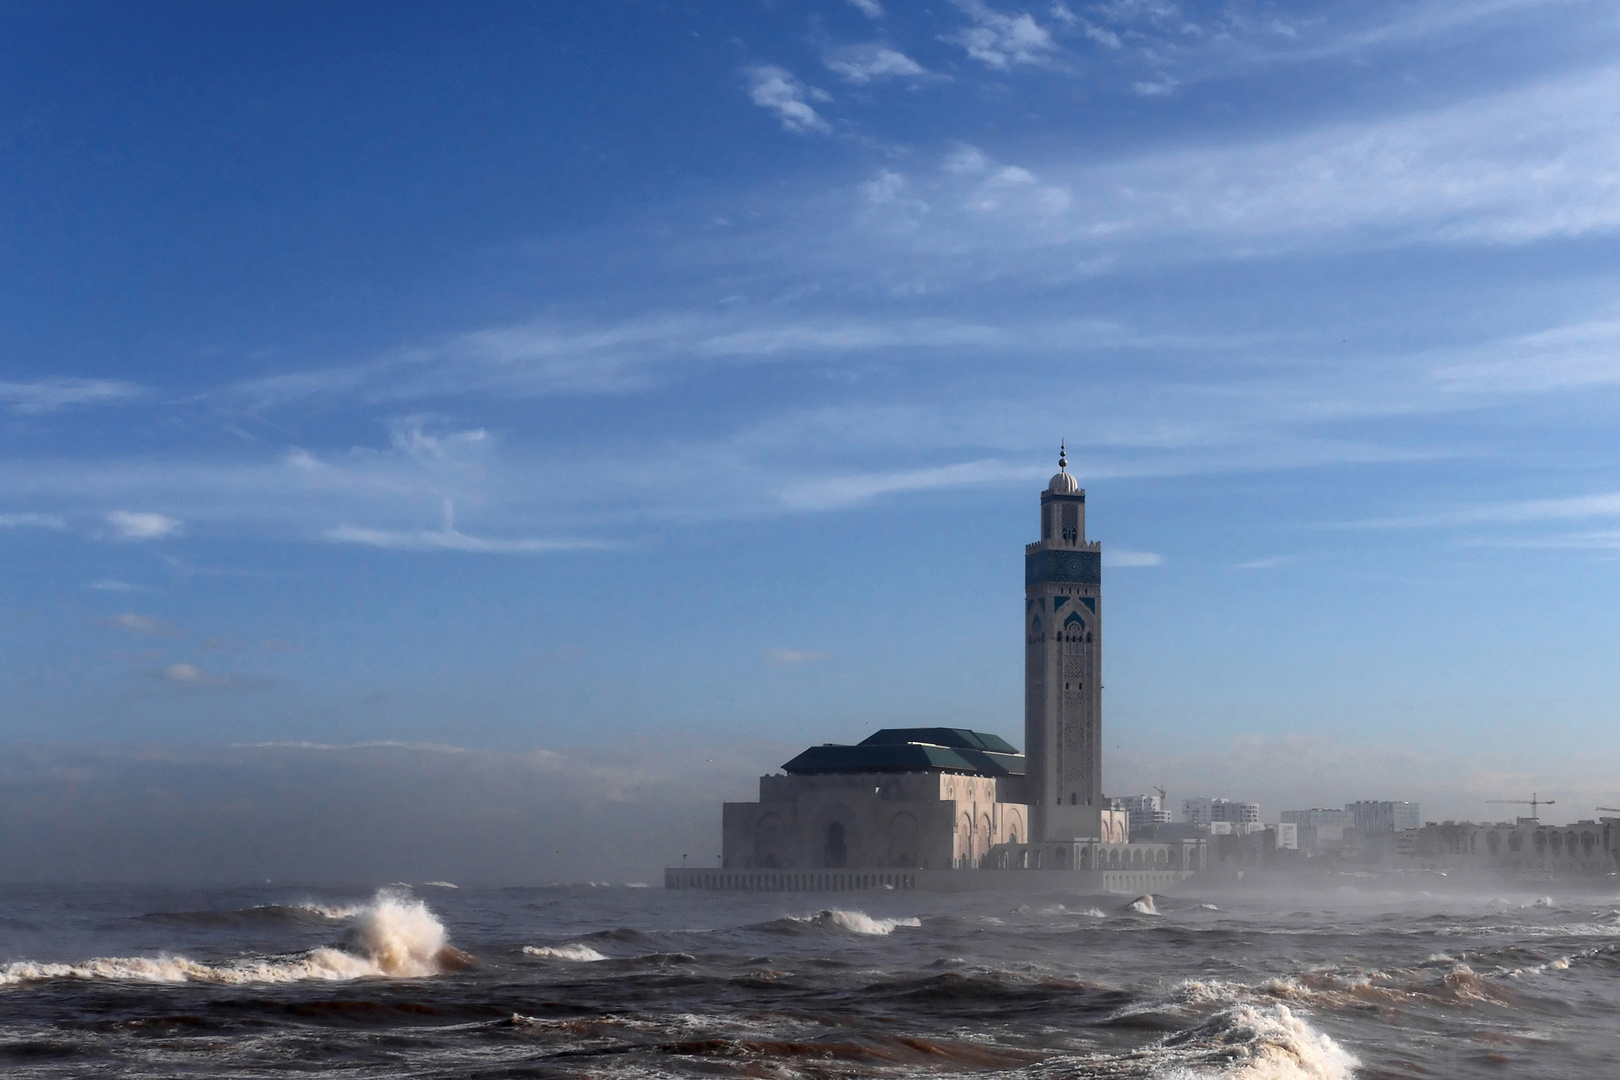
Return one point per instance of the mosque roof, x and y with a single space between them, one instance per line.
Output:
894 750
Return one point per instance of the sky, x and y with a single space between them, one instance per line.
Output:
673 384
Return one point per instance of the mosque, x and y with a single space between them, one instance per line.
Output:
953 809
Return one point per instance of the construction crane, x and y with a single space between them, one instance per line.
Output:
1610 809
1533 802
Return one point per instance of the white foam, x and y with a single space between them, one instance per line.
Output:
564 952
393 936
442 884
856 922
1250 1043
1143 905
332 911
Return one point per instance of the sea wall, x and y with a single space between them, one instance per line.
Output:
1080 882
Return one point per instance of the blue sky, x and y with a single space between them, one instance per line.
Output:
516 376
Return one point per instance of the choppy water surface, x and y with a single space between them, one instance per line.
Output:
625 982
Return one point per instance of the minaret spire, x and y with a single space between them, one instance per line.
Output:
1063 671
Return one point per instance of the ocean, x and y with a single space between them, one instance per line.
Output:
603 981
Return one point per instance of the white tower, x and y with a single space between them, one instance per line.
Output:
1063 668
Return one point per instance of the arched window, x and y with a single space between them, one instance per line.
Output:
903 840
837 850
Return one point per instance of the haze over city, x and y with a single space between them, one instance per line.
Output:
449 437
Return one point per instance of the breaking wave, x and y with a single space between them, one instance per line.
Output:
326 911
1255 1043
583 953
856 922
1442 982
394 936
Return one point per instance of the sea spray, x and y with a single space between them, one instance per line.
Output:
399 934
856 922
1255 1043
394 935
576 952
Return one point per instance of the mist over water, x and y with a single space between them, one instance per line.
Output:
577 981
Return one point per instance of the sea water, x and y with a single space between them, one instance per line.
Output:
600 981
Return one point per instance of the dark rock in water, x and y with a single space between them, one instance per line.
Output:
451 958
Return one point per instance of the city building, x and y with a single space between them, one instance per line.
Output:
1144 811
1320 829
1584 849
1206 811
1381 817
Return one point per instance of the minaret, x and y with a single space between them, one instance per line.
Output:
1063 668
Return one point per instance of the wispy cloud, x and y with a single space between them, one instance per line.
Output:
49 395
192 675
1123 558
1000 40
871 63
110 585
1600 540
32 521
839 491
1573 508
1564 357
144 625
794 656
550 356
1439 177
870 8
449 538
1270 562
132 525
775 88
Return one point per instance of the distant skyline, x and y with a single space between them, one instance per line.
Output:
514 377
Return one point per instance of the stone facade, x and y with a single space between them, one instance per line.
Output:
872 820
1063 668
1584 849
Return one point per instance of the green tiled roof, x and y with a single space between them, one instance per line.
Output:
895 750
941 736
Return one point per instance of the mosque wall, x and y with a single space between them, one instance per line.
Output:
871 820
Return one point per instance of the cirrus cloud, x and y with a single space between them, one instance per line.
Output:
776 89
130 525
